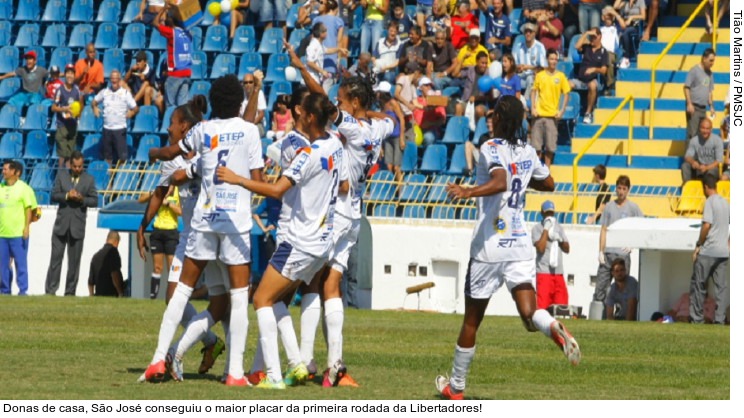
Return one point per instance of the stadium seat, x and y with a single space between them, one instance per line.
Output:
6 9
6 32
515 20
386 211
99 170
469 213
457 162
81 11
28 35
11 146
198 65
43 197
8 87
571 116
166 120
382 187
134 37
92 147
297 36
55 11
414 211
518 42
82 35
276 66
410 158
146 120
108 11
451 91
151 177
88 122
249 62
244 40
692 199
145 143
414 188
131 11
573 53
10 118
333 92
223 64
566 68
280 87
457 130
113 59
437 191
126 178
215 39
107 36
197 37
157 42
61 57
37 146
37 117
199 87
208 19
435 159
55 36
28 11
293 14
443 212
9 59
481 128
272 41
42 177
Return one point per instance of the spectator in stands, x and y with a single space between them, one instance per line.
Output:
315 55
680 312
550 27
424 9
89 72
118 106
66 135
723 8
630 16
699 92
405 23
375 11
140 79
654 7
395 144
568 12
250 83
332 42
531 9
179 50
32 81
273 11
307 13
530 57
509 84
551 242
149 9
471 90
53 83
594 62
105 277
590 12
549 85
385 56
462 24
467 57
429 118
406 94
415 54
362 68
17 202
704 154
75 192
438 20
622 300
240 15
615 210
711 255
603 193
444 62
498 32
611 43
281 118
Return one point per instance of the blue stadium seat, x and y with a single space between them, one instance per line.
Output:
41 60
272 41
42 177
157 41
28 11
37 146
208 18
145 143
382 187
571 116
11 145
387 211
131 11
28 35
437 192
280 87
198 65
457 130
410 158
37 117
244 40
99 170
443 212
414 188
457 163
134 37
151 177
81 11
82 35
518 42
223 64
113 59
566 68
55 11
107 36
515 20
92 147
10 117
61 57
276 66
435 159
451 91
127 178
43 197
293 14
6 9
6 32
8 87
199 87
88 122
333 92
481 128
573 53
109 11
9 59
469 213
55 36
166 120
215 39
249 62
414 211
146 120
197 37
297 36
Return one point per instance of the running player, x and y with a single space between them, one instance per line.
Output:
222 218
308 189
501 251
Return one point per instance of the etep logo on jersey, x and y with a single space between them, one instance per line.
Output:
520 167
228 139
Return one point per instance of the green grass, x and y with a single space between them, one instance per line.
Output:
95 348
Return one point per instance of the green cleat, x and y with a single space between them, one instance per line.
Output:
297 376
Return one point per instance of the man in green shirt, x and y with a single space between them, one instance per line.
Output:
17 201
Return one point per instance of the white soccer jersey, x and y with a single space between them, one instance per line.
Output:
308 207
362 148
500 232
188 192
234 143
291 145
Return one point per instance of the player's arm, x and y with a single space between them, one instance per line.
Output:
630 314
542 241
166 153
153 204
175 207
565 247
252 109
610 312
274 190
496 184
545 185
704 229
296 62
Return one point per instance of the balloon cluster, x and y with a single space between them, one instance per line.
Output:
487 83
222 10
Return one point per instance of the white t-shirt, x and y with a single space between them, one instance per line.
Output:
500 231
363 142
115 107
315 53
291 145
610 38
234 143
308 207
261 107
188 192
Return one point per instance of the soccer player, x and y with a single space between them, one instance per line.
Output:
501 251
222 218
308 189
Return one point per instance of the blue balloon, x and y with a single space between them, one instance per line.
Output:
485 84
225 18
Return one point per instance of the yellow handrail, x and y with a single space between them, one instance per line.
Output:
629 99
652 96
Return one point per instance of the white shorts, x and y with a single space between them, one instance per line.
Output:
345 235
484 279
232 249
174 276
216 278
295 264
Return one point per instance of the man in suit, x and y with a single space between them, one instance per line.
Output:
75 191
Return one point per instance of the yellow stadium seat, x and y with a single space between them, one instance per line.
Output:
724 189
692 199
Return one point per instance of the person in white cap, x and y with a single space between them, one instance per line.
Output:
32 79
429 118
530 57
468 53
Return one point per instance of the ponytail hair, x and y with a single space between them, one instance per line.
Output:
193 111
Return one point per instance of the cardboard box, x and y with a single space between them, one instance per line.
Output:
437 100
188 13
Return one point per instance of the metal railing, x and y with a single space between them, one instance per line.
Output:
652 95
628 99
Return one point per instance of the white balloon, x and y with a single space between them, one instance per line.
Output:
290 73
495 70
225 6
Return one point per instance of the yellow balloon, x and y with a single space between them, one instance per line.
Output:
234 4
214 8
75 109
418 135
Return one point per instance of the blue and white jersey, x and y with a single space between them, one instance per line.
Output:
188 192
500 232
235 144
291 145
308 208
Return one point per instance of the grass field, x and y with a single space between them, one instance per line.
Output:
86 348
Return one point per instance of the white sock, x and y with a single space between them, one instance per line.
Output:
226 328
188 312
287 332
171 319
461 367
334 318
269 345
542 321
198 327
238 330
309 318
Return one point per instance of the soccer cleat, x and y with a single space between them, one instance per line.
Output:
155 372
312 370
443 387
256 377
566 342
210 354
333 375
174 365
237 381
296 376
267 383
